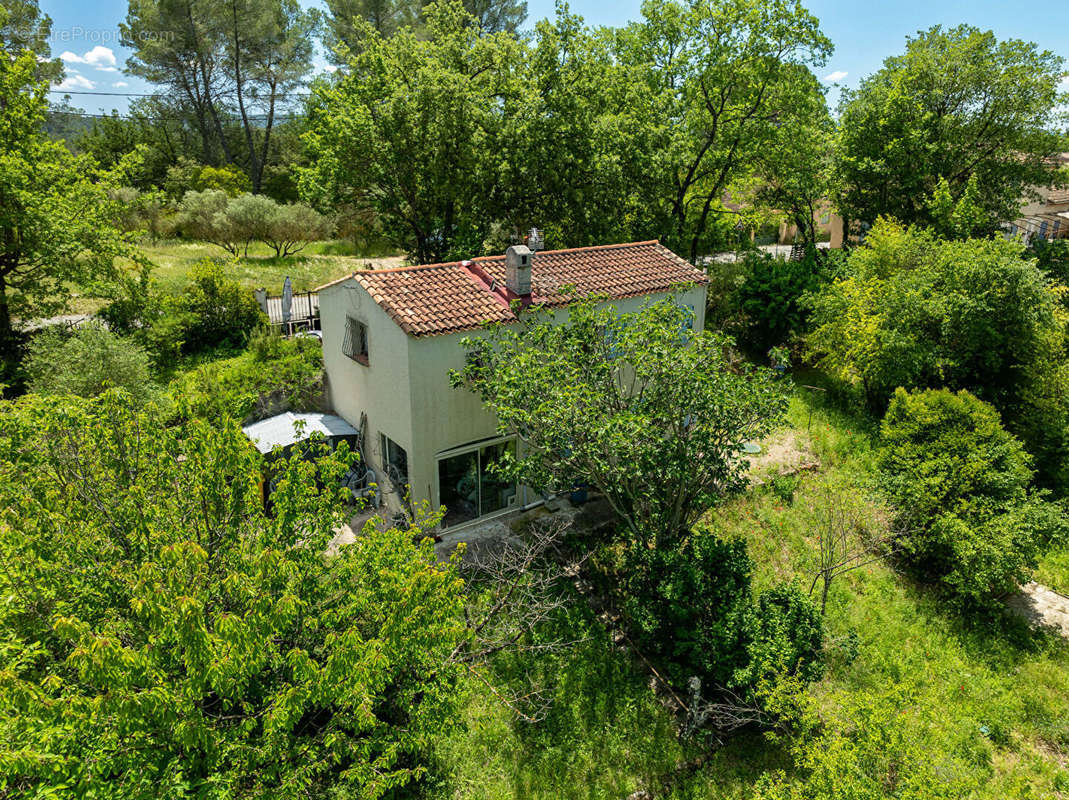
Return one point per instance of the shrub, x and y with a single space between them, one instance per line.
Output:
292 226
275 375
216 311
769 299
784 634
960 482
249 218
690 608
86 360
202 215
919 312
687 605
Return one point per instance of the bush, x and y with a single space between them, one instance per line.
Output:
769 299
690 608
687 605
250 217
919 312
960 482
275 375
86 360
292 226
216 311
202 215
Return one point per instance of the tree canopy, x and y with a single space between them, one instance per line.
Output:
164 637
638 405
958 105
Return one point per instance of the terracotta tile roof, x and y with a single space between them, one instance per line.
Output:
461 295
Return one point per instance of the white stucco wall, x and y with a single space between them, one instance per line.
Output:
381 388
405 390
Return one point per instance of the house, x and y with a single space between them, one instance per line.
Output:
391 337
1048 216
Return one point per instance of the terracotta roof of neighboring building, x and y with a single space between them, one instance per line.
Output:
461 295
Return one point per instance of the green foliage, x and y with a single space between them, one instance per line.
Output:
1052 258
215 311
916 311
960 483
163 638
928 118
637 405
596 134
875 751
687 605
769 301
86 360
961 218
56 219
273 376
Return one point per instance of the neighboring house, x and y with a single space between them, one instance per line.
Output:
391 337
1047 217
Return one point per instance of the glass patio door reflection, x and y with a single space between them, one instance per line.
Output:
468 489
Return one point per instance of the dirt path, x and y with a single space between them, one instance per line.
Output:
1042 606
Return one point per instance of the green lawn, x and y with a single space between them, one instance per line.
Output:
986 699
317 264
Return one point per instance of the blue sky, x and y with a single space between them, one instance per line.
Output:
863 33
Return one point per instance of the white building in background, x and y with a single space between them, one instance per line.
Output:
391 337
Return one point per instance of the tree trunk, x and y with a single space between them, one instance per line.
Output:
254 168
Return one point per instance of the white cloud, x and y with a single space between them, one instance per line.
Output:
103 58
75 82
120 85
838 75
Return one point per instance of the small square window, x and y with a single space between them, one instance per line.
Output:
355 344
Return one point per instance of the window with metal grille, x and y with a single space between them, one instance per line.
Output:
355 344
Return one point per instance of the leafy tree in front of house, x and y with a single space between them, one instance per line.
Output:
960 482
637 405
917 311
958 105
163 637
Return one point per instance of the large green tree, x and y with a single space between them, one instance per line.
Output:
413 129
732 82
229 70
959 104
56 225
638 405
345 29
163 637
24 27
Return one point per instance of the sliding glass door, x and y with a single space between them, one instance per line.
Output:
468 487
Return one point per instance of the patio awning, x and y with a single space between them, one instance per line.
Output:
281 431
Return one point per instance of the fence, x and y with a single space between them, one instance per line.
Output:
304 310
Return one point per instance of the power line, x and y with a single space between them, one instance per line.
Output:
280 96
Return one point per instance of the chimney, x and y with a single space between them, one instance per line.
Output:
518 260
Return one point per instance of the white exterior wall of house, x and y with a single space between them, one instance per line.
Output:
379 389
405 390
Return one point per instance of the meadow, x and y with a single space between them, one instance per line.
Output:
983 701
